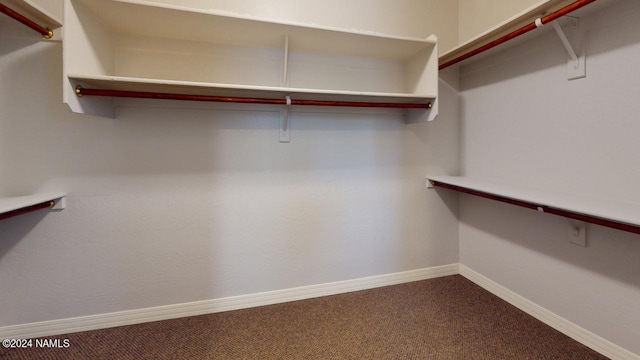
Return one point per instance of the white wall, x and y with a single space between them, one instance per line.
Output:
523 122
170 205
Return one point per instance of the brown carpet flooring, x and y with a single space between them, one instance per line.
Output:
443 318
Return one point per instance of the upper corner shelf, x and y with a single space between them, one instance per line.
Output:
44 13
503 30
135 45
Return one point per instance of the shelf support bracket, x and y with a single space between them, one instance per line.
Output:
285 61
576 65
285 134
577 232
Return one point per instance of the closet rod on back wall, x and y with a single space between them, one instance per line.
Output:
521 31
80 91
44 31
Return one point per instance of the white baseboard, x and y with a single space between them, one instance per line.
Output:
102 321
559 323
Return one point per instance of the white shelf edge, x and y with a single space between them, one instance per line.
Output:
618 211
105 80
8 204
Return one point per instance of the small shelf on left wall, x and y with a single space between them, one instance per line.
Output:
18 205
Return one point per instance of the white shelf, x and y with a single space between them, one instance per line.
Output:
11 204
616 211
144 46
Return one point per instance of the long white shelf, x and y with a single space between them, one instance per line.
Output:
16 205
616 214
217 89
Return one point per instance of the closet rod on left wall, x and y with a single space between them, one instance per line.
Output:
44 31
80 91
27 209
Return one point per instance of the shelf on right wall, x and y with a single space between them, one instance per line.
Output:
609 213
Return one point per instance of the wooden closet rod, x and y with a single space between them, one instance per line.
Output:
521 31
544 208
80 91
28 209
44 31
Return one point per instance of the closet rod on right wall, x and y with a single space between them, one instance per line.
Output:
44 31
521 31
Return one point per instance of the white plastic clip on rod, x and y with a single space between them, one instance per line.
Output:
539 23
285 124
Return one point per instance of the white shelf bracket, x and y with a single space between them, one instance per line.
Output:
285 134
576 65
577 232
285 61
